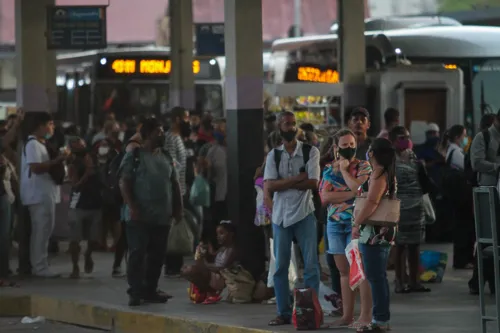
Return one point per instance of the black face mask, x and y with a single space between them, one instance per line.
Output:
347 153
185 129
288 136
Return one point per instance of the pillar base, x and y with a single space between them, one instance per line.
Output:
245 154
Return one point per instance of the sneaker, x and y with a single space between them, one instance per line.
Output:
134 301
156 298
47 274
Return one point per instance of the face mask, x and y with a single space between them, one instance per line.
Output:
347 153
185 129
47 136
465 142
103 150
219 137
288 136
403 144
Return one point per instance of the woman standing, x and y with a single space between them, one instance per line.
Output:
411 225
454 141
339 186
375 241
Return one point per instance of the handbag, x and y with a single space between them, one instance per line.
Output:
385 215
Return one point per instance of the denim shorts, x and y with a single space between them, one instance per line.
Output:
339 235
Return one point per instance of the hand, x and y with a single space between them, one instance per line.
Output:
355 232
302 176
344 165
134 214
63 154
210 248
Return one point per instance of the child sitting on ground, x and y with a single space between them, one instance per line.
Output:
205 273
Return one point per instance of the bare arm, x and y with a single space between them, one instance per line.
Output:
127 192
352 182
328 197
278 185
375 193
307 184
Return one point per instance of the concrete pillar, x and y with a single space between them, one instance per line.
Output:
182 91
351 52
243 102
36 86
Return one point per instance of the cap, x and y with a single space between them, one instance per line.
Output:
432 127
360 111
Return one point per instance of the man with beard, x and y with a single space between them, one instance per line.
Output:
359 123
292 173
152 196
180 128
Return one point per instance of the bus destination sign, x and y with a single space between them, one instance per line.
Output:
146 66
76 27
313 74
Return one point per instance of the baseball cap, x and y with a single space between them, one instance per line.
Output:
432 127
360 111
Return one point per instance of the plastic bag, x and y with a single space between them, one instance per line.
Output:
240 284
195 295
293 273
356 271
432 266
430 214
200 192
180 239
307 312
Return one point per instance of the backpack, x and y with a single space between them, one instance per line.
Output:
454 184
470 173
57 171
306 151
111 177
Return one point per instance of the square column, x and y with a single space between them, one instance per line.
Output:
36 87
245 121
182 92
351 52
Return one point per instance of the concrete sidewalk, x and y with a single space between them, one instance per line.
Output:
101 301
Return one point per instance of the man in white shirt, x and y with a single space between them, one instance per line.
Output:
292 181
39 192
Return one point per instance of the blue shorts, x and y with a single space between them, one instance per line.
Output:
339 235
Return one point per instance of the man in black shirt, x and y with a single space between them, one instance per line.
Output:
359 122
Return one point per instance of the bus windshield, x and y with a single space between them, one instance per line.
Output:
485 82
154 98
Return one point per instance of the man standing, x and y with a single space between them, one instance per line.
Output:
39 191
359 123
152 196
180 128
292 181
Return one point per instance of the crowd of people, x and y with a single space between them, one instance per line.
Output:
132 180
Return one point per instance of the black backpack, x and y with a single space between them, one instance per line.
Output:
111 177
57 171
470 173
454 184
306 151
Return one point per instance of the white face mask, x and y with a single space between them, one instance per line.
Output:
103 150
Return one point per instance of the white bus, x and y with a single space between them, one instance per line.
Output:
474 50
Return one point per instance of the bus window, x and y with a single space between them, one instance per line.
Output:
485 82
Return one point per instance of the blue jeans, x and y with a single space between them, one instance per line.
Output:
339 236
305 233
5 231
375 259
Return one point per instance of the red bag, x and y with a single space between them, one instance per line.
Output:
356 271
307 312
195 295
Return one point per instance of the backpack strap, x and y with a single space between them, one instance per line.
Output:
306 152
448 160
486 138
29 139
277 160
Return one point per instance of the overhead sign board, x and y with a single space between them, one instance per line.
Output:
210 39
76 27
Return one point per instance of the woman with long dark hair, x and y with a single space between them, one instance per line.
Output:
375 241
411 225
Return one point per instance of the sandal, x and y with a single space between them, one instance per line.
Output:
373 327
10 284
356 325
280 321
341 323
212 300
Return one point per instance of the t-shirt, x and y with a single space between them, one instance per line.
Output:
87 195
36 189
152 177
175 146
333 181
363 148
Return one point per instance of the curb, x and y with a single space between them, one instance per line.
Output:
107 318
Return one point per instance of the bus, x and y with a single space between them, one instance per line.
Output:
472 49
86 80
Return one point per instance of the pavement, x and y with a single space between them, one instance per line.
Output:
14 325
100 301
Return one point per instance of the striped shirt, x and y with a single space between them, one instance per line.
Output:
175 146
